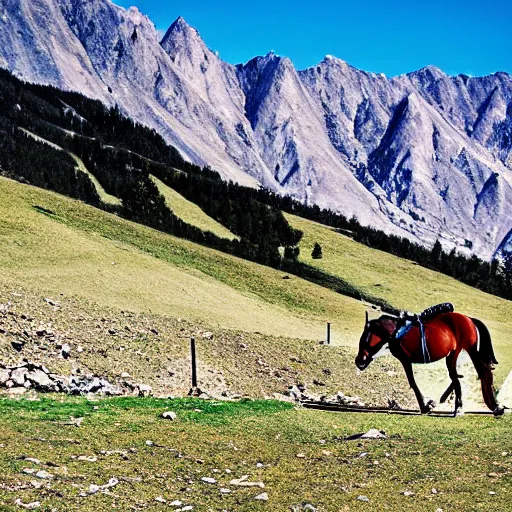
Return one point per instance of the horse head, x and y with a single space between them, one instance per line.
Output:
375 339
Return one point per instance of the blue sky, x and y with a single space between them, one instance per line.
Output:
393 36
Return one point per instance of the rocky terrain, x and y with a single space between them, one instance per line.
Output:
425 155
74 347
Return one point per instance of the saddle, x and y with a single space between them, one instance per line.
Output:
408 320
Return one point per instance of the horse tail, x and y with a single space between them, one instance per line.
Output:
485 351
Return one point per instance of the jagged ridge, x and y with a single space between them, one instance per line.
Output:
413 154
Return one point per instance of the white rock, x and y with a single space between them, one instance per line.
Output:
44 475
29 506
262 497
31 459
18 376
169 415
145 390
86 458
208 480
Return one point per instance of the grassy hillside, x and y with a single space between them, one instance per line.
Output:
405 284
299 456
78 249
111 274
102 265
190 212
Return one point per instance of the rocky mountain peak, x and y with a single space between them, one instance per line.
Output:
412 155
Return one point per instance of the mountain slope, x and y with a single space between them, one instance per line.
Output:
331 134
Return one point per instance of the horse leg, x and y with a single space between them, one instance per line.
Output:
446 394
424 407
451 364
486 379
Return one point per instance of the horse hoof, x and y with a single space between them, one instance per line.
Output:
429 405
457 413
499 411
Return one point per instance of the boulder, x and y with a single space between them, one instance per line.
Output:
5 375
18 376
145 390
40 380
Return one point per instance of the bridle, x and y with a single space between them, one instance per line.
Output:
373 328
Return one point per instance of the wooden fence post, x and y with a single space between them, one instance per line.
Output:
193 362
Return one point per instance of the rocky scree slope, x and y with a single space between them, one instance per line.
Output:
424 155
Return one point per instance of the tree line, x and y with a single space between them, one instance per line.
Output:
123 155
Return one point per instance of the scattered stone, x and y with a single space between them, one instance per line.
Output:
145 390
188 507
363 498
208 335
40 380
408 493
44 475
150 443
371 434
208 480
300 456
493 475
94 488
309 507
160 499
5 375
492 493
86 458
262 497
52 302
125 375
169 415
17 390
29 471
28 506
243 482
176 503
18 376
65 351
225 491
31 459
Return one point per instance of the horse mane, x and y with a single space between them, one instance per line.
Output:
388 322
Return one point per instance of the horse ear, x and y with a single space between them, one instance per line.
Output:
367 319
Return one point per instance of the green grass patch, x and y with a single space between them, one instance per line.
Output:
300 456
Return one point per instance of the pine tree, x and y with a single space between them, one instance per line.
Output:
317 252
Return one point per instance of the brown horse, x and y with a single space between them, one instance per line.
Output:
446 336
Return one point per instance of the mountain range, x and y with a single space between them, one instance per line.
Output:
424 155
